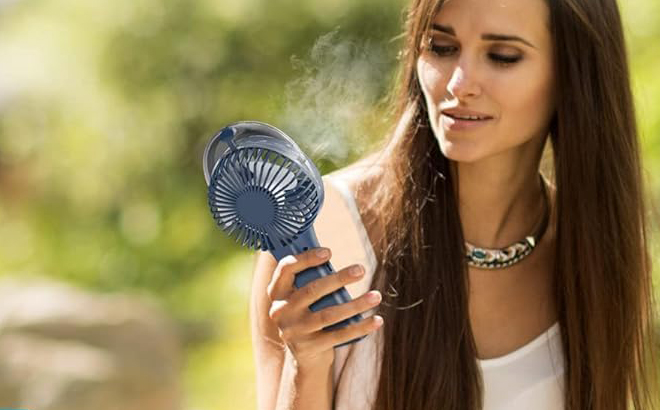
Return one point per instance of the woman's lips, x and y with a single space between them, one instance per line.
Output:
457 124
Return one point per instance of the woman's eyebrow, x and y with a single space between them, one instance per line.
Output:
486 36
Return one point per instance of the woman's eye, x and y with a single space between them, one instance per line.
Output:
500 59
443 50
504 59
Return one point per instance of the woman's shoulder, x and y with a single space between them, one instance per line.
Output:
344 224
363 179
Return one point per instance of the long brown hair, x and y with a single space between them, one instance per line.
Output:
602 270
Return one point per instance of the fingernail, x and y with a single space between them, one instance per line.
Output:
378 320
322 253
373 296
357 270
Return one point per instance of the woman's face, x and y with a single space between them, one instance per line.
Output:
492 59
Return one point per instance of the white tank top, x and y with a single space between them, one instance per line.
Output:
531 377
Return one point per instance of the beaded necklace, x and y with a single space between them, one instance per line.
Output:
497 258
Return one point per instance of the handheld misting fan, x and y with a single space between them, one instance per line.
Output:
265 192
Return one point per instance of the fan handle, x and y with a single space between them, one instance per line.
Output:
305 241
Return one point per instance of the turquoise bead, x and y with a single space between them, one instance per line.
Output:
478 254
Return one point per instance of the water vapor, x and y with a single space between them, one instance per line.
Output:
339 85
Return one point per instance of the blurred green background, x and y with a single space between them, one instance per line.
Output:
105 108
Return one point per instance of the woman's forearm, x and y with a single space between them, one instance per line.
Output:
304 388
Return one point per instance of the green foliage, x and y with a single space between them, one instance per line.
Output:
106 108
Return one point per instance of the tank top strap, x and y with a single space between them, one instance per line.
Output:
345 191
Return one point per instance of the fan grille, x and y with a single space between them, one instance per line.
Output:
262 198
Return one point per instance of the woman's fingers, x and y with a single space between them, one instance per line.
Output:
323 340
318 288
281 285
302 329
300 320
316 321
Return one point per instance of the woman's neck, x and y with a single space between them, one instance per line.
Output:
499 201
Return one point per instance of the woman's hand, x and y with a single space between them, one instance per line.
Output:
299 327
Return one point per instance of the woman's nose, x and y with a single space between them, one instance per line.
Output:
462 83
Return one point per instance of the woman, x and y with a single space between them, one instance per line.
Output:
557 310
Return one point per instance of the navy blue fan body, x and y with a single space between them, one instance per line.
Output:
264 191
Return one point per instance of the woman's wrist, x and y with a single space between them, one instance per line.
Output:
312 366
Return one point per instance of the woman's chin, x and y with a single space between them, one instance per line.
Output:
459 151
